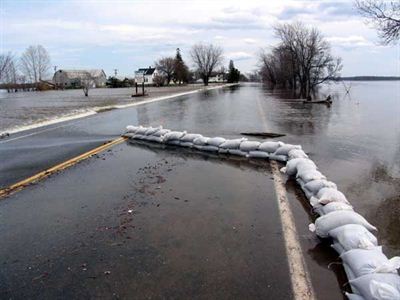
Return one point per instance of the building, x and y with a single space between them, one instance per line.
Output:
146 75
75 78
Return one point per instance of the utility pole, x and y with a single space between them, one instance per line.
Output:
115 72
55 68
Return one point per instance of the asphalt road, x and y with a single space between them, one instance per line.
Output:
137 221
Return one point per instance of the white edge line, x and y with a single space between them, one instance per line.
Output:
300 279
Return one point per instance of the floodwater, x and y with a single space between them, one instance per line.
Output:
163 223
23 109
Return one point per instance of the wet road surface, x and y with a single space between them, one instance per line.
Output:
49 228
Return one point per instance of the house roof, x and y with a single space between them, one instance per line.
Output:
71 74
145 71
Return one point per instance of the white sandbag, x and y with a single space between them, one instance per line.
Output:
293 164
391 266
258 154
141 130
270 147
206 148
339 249
152 130
216 141
327 195
173 135
353 236
223 150
173 142
190 137
282 158
314 186
237 152
201 141
284 149
129 135
186 144
248 146
324 224
296 153
333 206
161 132
232 144
138 136
309 174
131 128
377 286
363 261
153 138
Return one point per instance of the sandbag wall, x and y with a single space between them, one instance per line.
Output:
371 274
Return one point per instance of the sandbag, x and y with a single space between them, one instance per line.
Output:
269 147
314 186
161 132
324 224
353 296
308 174
216 141
223 151
131 128
284 149
201 141
391 266
332 206
173 142
152 130
153 138
293 164
377 286
248 146
206 148
282 158
141 130
186 144
258 154
237 152
327 195
296 153
232 144
138 136
173 135
353 236
190 137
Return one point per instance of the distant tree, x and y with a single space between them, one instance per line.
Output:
35 63
206 58
233 73
87 82
181 71
159 80
114 82
384 15
301 60
5 61
166 66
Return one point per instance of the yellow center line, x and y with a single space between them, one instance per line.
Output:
64 165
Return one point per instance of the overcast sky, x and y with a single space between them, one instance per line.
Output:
129 34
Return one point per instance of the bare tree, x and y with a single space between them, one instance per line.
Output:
5 61
301 60
384 15
35 63
167 67
206 58
87 82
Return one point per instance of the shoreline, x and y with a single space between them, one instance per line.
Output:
100 109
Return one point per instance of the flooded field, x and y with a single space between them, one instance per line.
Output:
23 109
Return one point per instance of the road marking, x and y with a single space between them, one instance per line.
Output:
299 277
64 165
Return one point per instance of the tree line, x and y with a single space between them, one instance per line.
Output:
32 66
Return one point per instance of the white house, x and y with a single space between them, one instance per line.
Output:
74 78
146 75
